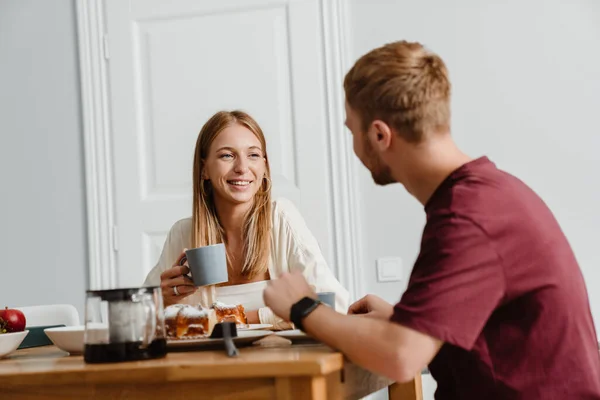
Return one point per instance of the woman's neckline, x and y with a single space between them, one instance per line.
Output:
241 287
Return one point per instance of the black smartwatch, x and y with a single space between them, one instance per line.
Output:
301 309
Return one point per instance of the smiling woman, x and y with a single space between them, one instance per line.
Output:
232 205
232 193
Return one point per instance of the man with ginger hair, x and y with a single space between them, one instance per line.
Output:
496 304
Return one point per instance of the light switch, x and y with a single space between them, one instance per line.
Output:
389 269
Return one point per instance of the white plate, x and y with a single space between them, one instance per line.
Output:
67 338
9 342
255 327
243 337
293 334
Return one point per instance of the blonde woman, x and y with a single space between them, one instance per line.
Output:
232 205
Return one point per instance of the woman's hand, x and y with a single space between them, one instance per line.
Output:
174 283
252 317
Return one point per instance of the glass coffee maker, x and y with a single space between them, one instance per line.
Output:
124 325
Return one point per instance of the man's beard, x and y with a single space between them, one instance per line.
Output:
381 173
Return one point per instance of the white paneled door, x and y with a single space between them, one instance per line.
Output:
171 65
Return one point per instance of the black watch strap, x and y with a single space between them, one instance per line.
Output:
301 309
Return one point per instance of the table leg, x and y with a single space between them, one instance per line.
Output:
412 390
302 387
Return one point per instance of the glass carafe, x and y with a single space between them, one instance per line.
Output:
124 325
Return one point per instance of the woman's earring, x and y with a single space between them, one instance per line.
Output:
266 179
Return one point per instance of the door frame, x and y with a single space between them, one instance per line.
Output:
101 223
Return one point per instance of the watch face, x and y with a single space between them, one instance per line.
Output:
306 302
301 309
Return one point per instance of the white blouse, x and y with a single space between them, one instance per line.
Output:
293 247
250 295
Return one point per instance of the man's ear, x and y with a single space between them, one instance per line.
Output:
380 135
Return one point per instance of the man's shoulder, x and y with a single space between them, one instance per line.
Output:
480 190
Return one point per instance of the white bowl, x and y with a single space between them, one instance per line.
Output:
67 338
10 341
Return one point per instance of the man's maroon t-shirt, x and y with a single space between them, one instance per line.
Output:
497 282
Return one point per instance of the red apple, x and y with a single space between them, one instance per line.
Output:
11 321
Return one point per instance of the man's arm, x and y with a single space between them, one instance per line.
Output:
378 345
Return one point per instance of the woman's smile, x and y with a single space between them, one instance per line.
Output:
239 184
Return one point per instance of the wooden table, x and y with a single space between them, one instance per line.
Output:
295 372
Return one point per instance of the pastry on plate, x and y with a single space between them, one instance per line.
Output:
230 313
184 321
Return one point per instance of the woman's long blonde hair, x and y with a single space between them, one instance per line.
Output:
206 227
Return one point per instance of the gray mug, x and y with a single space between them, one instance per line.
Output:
208 264
327 298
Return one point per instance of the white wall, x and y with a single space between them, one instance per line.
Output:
526 93
42 214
